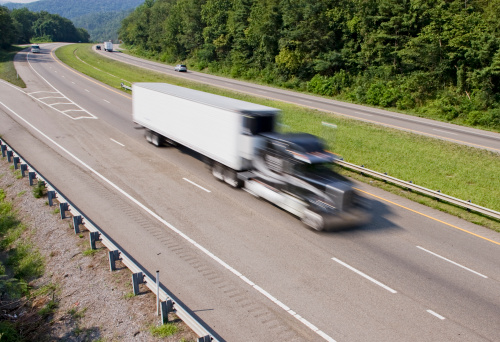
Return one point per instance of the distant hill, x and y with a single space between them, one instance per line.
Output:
101 18
102 26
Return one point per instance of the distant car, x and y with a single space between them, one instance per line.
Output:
98 47
180 67
35 48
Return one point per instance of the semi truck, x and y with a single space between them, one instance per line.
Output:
108 46
239 142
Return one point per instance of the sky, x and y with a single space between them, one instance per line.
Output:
18 1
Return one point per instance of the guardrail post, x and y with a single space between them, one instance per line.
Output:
113 256
77 220
137 278
63 207
4 149
9 156
16 162
166 307
204 339
157 293
31 177
24 168
94 236
51 194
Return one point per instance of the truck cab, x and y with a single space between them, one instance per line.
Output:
296 174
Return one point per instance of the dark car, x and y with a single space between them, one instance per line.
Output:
180 67
98 47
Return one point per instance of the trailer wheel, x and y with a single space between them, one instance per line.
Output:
217 171
156 139
147 135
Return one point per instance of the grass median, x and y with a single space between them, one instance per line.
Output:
7 70
459 171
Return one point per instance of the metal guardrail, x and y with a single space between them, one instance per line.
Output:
408 184
139 274
124 86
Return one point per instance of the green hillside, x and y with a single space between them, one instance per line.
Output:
101 19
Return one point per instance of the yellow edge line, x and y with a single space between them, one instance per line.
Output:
381 198
430 217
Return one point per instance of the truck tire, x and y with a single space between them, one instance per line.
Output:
231 178
156 139
147 135
313 220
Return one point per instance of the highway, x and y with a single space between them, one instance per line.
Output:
441 130
249 270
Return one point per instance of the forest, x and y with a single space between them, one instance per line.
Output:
21 26
432 58
100 18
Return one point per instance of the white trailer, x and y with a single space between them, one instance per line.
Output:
220 128
108 46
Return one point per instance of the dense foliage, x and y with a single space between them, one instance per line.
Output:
102 26
100 18
21 26
437 58
72 9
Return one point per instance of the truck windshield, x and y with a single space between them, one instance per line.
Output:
315 169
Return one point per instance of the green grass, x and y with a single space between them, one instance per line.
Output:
164 330
7 70
90 252
39 189
459 171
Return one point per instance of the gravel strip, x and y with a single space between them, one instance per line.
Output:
94 303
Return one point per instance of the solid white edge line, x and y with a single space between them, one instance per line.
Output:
453 262
199 186
364 275
171 227
119 143
435 314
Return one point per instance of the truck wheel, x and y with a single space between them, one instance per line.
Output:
231 178
147 135
313 220
156 139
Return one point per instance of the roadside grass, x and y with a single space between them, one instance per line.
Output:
7 70
21 262
164 330
457 170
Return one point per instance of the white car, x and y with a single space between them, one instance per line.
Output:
180 67
35 48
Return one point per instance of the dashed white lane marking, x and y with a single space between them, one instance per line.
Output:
177 231
443 131
119 143
452 262
364 275
199 186
106 101
435 314
88 91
